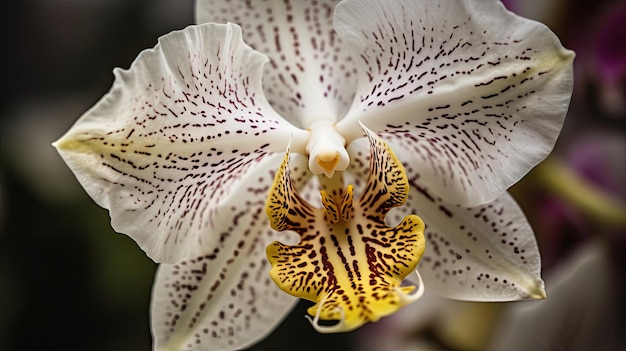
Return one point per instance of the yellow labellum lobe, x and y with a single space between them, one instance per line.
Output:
348 261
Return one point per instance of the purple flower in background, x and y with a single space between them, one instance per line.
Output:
606 55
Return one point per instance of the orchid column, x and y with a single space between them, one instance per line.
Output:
388 110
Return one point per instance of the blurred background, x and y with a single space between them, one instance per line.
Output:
68 282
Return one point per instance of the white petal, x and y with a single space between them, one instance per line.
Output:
476 94
485 253
171 141
224 300
310 77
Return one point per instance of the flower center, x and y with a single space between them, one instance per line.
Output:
326 148
348 261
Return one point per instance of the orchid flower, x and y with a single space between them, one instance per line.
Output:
301 162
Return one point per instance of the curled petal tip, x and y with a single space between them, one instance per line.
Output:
62 143
539 293
535 290
337 328
413 296
70 144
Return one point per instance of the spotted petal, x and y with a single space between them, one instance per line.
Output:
166 147
475 95
310 77
224 299
484 253
348 260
